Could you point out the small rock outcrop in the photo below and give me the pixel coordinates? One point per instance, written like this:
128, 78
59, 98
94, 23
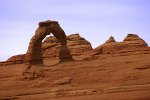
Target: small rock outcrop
131, 43
65, 80
76, 44
17, 59
111, 40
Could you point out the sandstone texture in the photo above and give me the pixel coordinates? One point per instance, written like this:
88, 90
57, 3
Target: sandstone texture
17, 59
111, 40
131, 44
76, 45
63, 81
119, 77
34, 52
116, 70
64, 67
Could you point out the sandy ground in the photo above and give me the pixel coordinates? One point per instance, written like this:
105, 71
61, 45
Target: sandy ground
109, 77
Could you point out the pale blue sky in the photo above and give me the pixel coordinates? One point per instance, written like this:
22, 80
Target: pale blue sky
95, 20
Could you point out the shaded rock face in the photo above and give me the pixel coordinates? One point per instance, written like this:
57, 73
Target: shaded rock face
131, 43
34, 52
76, 44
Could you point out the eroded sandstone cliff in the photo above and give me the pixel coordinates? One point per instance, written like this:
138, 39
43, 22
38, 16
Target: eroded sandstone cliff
50, 48
76, 44
132, 43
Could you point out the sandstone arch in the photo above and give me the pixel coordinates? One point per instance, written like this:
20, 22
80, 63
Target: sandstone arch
34, 52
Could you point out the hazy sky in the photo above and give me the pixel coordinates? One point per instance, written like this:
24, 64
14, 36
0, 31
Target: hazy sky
95, 20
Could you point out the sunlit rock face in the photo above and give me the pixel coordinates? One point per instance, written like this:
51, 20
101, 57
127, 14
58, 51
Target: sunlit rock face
131, 43
52, 48
76, 45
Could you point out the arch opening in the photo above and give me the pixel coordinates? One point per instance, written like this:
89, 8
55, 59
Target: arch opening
34, 52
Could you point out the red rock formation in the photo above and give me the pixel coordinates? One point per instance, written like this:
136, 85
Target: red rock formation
50, 48
110, 40
17, 59
131, 43
34, 53
76, 44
